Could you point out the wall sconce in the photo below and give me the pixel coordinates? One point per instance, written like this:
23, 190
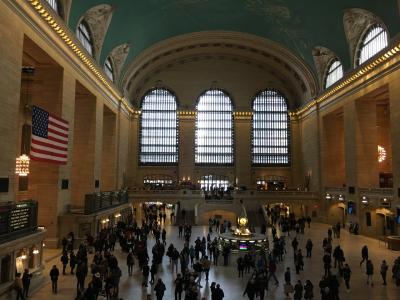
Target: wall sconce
22, 165
341, 198
328, 196
117, 215
35, 251
364, 200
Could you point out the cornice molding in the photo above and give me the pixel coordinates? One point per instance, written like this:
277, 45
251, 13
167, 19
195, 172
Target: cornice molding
375, 68
54, 31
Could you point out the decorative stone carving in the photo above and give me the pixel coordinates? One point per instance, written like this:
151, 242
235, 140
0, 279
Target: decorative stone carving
98, 18
66, 8
118, 56
355, 23
322, 57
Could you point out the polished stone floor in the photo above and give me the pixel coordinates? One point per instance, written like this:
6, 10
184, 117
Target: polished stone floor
130, 287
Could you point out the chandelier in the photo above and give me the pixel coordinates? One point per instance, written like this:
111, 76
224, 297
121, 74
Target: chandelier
381, 154
22, 165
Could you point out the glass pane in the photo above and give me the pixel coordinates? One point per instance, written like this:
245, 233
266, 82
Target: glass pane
158, 136
374, 41
214, 129
270, 138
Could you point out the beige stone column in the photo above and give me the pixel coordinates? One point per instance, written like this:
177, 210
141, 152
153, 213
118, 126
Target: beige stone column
242, 143
10, 86
366, 144
68, 111
297, 177
109, 153
124, 134
84, 145
394, 96
332, 148
98, 144
187, 125
133, 156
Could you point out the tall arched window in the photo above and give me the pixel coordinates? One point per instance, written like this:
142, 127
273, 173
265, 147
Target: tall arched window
55, 5
158, 128
334, 73
270, 132
108, 69
373, 41
83, 35
214, 128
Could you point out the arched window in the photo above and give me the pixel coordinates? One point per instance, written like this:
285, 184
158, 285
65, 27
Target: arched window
334, 73
158, 128
373, 41
83, 34
214, 128
55, 5
108, 69
270, 132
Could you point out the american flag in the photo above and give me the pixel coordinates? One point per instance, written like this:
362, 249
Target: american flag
49, 142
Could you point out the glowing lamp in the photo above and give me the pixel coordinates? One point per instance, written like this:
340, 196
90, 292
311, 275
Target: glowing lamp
22, 165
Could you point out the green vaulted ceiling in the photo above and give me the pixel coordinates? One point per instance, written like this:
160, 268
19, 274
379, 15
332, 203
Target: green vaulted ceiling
298, 25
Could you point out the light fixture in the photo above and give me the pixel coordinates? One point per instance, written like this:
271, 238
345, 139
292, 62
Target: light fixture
24, 256
35, 251
341, 198
381, 154
328, 196
364, 200
117, 215
22, 165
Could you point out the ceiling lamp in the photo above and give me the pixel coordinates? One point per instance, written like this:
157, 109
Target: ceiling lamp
22, 165
381, 154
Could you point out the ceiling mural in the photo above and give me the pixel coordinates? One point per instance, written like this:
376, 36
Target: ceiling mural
299, 26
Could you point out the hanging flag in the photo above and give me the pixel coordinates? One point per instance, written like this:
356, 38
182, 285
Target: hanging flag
49, 140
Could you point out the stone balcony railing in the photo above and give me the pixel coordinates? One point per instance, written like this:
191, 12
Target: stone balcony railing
237, 194
379, 192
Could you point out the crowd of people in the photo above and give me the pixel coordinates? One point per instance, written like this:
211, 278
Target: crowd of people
190, 264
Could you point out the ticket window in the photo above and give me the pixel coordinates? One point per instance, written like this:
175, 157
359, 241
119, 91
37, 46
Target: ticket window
5, 269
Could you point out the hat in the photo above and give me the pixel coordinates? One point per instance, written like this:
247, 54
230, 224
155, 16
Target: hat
97, 275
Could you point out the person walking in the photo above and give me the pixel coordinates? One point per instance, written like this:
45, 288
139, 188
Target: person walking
54, 273
364, 254
153, 272
64, 261
251, 289
145, 273
18, 286
309, 246
219, 293
72, 262
384, 269
178, 287
130, 262
370, 272
240, 266
298, 291
206, 264
308, 290
159, 288
26, 282
346, 271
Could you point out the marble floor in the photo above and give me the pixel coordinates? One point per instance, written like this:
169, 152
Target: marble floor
130, 287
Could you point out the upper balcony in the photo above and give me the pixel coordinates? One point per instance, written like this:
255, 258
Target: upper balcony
139, 195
